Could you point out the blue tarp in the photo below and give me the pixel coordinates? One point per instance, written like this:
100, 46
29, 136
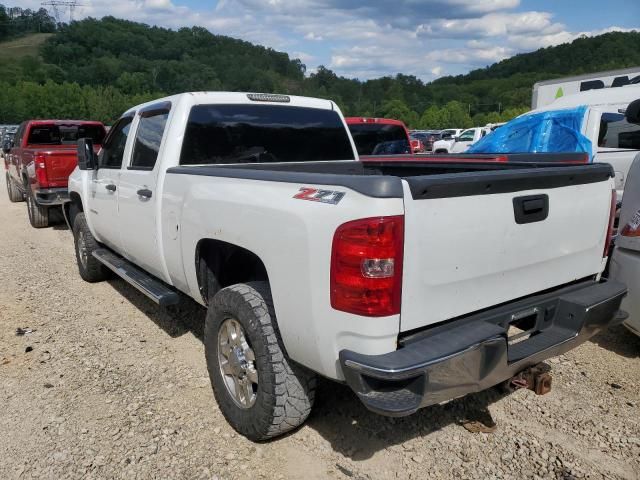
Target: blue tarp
552, 131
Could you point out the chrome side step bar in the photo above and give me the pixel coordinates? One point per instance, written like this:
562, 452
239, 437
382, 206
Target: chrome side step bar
153, 288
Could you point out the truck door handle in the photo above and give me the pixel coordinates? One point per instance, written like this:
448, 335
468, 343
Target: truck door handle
145, 192
531, 208
111, 187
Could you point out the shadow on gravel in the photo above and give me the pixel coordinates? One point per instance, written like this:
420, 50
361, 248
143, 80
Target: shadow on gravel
187, 316
358, 434
619, 340
338, 415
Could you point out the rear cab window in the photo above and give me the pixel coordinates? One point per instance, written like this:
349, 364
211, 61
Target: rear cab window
379, 138
224, 134
64, 134
616, 133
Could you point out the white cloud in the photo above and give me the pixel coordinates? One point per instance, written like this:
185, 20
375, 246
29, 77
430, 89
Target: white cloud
492, 25
159, 4
313, 36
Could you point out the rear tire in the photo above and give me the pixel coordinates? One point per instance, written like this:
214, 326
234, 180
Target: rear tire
38, 215
15, 195
278, 394
91, 270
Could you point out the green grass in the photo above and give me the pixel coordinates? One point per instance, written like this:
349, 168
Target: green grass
23, 46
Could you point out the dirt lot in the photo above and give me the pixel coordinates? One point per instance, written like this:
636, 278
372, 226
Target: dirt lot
109, 386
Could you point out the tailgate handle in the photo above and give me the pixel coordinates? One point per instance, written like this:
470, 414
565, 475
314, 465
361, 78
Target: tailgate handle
531, 208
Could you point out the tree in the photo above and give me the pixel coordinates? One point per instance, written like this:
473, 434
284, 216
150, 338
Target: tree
458, 115
398, 110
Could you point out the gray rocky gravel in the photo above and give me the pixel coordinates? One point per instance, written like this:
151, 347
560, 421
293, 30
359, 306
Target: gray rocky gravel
107, 385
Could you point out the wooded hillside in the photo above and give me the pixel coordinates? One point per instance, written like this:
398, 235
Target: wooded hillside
100, 67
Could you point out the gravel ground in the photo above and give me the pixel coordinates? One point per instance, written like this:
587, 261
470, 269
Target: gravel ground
107, 385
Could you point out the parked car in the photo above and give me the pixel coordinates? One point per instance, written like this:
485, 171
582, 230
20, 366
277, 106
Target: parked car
39, 161
625, 261
422, 140
379, 136
5, 140
312, 262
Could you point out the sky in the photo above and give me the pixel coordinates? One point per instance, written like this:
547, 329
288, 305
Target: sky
373, 38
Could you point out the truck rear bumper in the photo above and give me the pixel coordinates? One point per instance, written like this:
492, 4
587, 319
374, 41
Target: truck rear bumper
51, 196
474, 353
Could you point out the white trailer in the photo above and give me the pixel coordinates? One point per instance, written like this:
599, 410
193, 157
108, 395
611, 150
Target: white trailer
546, 92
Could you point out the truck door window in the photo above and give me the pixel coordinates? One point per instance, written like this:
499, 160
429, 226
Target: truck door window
616, 132
148, 140
113, 148
466, 136
262, 134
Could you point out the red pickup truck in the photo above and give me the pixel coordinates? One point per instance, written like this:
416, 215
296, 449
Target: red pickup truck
379, 136
40, 159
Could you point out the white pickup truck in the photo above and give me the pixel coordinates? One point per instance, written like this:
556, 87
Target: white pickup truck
405, 280
461, 142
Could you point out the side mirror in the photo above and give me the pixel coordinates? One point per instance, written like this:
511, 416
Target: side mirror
6, 146
632, 113
87, 159
456, 138
86, 156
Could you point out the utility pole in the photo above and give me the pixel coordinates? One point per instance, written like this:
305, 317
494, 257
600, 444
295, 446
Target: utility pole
55, 4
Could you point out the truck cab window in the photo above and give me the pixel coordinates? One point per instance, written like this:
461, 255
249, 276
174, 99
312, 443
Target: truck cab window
148, 139
113, 149
616, 132
218, 134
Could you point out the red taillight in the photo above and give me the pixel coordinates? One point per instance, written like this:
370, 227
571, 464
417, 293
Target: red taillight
612, 219
632, 229
366, 266
41, 170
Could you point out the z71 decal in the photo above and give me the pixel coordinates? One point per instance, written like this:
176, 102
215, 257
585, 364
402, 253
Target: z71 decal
318, 195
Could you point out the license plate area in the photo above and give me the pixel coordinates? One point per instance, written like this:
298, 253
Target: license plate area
523, 325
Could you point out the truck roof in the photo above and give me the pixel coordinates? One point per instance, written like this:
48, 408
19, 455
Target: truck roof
64, 122
366, 120
242, 98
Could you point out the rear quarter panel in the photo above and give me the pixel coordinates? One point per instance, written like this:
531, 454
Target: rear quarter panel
293, 238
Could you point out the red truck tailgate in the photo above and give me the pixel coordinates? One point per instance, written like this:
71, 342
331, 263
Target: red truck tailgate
59, 164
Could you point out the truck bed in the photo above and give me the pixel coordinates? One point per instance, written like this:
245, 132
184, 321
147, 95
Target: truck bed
382, 179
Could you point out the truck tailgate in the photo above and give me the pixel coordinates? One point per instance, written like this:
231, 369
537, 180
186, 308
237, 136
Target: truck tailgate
59, 164
478, 239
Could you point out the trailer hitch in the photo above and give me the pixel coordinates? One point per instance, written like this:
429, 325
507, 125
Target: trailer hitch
537, 378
